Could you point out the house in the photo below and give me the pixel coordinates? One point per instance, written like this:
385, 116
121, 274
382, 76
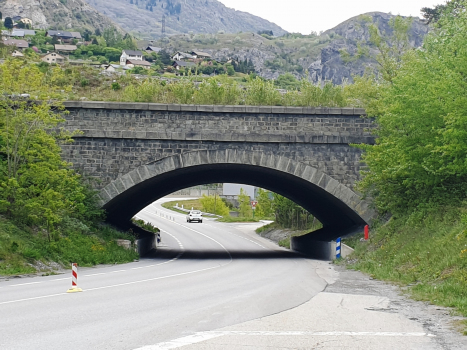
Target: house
16, 18
20, 44
76, 35
53, 57
200, 54
61, 35
182, 56
182, 64
130, 55
17, 53
114, 67
150, 49
65, 48
18, 33
26, 21
137, 63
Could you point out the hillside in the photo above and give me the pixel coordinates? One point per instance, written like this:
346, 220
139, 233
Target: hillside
144, 17
319, 55
60, 15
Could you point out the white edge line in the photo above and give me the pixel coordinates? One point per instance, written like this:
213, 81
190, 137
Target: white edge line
203, 336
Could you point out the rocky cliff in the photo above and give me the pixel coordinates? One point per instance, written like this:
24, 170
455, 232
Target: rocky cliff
51, 14
317, 58
346, 37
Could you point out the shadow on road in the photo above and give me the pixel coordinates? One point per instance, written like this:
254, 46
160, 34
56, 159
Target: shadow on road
164, 254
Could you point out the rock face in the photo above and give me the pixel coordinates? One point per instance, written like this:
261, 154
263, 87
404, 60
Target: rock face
319, 58
346, 37
144, 17
61, 15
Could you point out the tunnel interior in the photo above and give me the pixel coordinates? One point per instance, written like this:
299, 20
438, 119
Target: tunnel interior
337, 218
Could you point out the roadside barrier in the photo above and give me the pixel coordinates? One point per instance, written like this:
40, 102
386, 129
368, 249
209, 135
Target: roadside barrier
338, 248
74, 279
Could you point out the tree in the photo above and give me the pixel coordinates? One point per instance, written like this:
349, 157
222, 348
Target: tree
391, 48
37, 187
214, 205
244, 204
265, 206
419, 158
433, 15
230, 69
8, 23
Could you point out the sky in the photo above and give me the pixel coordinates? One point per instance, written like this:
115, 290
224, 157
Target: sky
305, 16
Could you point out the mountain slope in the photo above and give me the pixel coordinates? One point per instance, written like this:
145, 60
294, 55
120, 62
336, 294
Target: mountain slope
63, 14
316, 57
144, 17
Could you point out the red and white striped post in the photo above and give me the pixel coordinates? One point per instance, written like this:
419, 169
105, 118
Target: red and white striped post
74, 279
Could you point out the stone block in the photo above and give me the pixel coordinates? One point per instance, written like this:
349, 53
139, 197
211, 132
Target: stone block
205, 108
72, 104
264, 109
94, 104
119, 185
359, 111
157, 107
143, 173
348, 111
127, 181
173, 107
293, 110
309, 110
277, 109
188, 108
223, 109
335, 110
251, 109
134, 175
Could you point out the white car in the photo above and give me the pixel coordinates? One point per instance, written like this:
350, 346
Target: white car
194, 215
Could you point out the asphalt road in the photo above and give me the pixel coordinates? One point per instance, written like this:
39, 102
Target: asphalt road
205, 276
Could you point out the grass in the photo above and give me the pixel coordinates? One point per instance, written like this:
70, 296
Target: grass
187, 204
21, 248
426, 253
238, 219
283, 242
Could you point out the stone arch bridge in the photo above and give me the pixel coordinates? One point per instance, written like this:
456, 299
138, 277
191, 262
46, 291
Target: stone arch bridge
143, 151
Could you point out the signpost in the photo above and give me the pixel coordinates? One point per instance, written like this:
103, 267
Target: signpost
253, 207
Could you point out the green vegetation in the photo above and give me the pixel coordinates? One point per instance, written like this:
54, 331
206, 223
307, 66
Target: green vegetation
146, 225
49, 211
21, 248
214, 205
416, 172
427, 252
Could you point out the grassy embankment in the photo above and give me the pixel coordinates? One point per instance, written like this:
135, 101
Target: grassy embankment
21, 249
425, 255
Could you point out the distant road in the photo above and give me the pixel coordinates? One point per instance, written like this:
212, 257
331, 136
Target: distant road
205, 276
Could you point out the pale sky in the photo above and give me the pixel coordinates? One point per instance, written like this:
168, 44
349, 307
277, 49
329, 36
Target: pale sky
304, 16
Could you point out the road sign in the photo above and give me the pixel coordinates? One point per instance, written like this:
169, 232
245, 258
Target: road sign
253, 205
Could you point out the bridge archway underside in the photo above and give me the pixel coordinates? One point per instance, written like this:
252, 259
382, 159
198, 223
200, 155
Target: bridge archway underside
334, 204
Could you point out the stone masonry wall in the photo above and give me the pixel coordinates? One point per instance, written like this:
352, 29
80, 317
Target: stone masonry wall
119, 137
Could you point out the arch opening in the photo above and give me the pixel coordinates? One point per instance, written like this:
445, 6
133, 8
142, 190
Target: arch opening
340, 210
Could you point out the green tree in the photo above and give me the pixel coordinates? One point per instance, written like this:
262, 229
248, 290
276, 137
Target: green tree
391, 48
420, 154
37, 187
214, 205
265, 206
8, 23
244, 204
